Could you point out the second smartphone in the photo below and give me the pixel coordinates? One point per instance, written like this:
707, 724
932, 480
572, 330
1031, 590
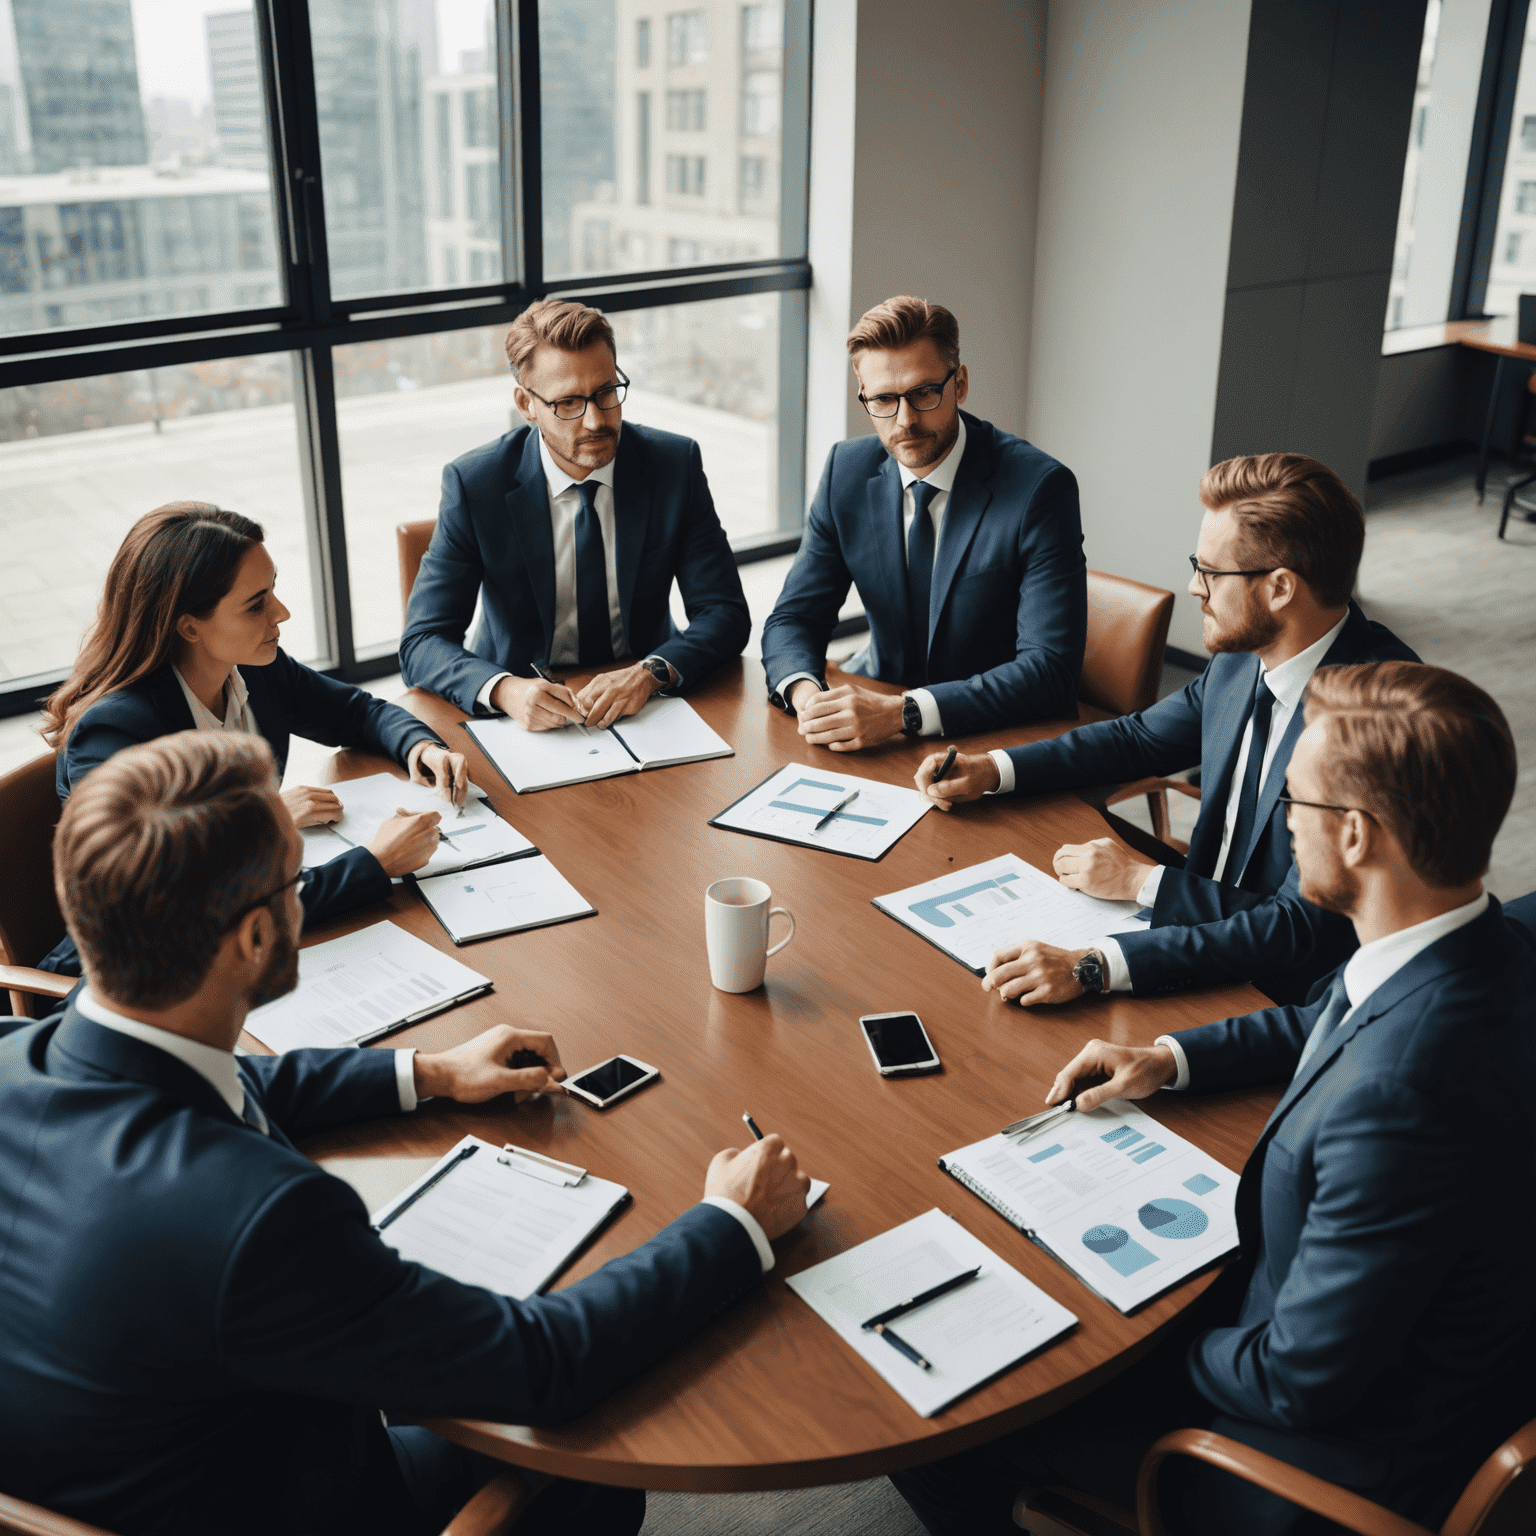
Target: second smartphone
899, 1044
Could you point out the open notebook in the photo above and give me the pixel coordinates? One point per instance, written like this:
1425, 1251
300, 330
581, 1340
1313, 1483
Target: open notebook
664, 733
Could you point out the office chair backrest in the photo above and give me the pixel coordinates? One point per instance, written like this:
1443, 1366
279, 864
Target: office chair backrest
411, 540
18, 1518
1501, 1498
30, 920
1127, 630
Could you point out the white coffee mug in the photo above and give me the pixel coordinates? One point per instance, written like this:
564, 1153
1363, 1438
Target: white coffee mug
736, 917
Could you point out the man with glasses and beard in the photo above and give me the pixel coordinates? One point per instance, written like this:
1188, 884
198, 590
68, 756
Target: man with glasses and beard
1279, 546
964, 542
569, 533
199, 1326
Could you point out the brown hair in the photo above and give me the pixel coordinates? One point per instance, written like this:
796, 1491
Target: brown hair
181, 558
900, 321
1427, 753
560, 323
160, 852
1293, 512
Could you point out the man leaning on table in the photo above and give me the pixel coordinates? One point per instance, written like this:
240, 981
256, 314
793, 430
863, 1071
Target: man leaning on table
964, 542
1368, 1334
200, 1326
570, 532
1279, 546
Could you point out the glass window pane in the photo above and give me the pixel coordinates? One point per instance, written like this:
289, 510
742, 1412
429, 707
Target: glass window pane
1512, 270
133, 162
409, 132
665, 155
83, 459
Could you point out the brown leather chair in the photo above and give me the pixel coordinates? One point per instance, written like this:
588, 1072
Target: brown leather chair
30, 921
492, 1512
1499, 1501
411, 540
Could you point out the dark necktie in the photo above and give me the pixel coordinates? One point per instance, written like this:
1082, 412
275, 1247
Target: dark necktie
1248, 792
251, 1113
594, 630
1327, 1021
919, 579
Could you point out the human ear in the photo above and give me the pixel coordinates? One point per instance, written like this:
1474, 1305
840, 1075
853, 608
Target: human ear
962, 384
1282, 589
186, 627
524, 403
253, 936
1356, 831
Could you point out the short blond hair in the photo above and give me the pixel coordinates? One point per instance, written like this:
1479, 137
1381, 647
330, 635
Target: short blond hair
559, 323
900, 321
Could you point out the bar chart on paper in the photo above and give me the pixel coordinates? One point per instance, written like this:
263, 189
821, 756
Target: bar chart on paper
788, 804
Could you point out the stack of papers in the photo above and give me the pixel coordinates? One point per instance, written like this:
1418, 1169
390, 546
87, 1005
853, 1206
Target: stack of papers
503, 898
968, 1336
787, 806
354, 989
971, 913
664, 733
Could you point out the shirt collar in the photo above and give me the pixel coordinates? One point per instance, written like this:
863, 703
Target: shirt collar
1374, 964
234, 702
208, 1061
942, 476
559, 482
1289, 680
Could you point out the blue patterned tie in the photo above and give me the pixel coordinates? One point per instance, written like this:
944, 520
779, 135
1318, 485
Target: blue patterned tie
919, 579
1248, 794
1327, 1021
594, 630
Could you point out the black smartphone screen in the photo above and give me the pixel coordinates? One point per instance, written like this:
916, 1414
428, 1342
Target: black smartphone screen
610, 1078
898, 1041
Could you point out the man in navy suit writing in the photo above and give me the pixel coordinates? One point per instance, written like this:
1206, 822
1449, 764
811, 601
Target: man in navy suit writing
1279, 546
1383, 1212
200, 1326
964, 542
570, 532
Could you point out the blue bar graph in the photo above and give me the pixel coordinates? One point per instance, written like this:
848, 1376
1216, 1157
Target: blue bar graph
1126, 1142
1118, 1135
1040, 1157
1146, 1154
963, 911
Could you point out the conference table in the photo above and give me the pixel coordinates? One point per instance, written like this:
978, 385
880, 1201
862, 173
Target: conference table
766, 1396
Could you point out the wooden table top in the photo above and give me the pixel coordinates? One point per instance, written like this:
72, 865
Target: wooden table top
767, 1396
1497, 335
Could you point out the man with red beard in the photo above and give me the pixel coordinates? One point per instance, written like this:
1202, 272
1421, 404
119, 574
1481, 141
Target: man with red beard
1279, 546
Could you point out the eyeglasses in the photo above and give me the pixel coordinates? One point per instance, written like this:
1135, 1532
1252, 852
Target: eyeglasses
301, 880
1205, 574
1318, 805
923, 397
573, 407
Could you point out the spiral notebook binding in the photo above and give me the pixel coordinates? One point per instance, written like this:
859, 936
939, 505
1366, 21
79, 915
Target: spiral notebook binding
1006, 1212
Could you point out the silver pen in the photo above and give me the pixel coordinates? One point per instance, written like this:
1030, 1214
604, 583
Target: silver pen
1031, 1125
837, 809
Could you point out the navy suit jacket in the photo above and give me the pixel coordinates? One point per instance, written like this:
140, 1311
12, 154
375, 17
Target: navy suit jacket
1008, 608
200, 1327
1255, 928
1384, 1212
288, 699
494, 541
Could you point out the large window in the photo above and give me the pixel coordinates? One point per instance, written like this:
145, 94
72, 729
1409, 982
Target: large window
264, 255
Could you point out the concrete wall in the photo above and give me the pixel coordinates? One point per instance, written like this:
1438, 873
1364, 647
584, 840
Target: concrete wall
1143, 106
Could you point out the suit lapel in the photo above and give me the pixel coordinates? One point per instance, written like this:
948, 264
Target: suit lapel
631, 516
1232, 716
528, 512
962, 517
169, 701
882, 516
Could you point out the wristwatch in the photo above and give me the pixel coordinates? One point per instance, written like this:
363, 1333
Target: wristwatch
911, 716
659, 670
1088, 973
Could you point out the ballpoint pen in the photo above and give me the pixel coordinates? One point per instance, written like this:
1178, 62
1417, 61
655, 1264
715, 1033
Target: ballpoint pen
1031, 1125
543, 672
442, 1173
752, 1126
880, 1319
846, 801
896, 1342
946, 765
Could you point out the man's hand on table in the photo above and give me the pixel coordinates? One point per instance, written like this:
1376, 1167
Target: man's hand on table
483, 1068
1134, 1072
406, 841
611, 696
765, 1180
311, 807
536, 704
845, 718
1101, 868
445, 771
970, 776
1033, 972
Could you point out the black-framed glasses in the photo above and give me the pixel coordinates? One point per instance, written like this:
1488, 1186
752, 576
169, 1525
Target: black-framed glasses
1205, 573
573, 407
922, 397
1318, 805
301, 880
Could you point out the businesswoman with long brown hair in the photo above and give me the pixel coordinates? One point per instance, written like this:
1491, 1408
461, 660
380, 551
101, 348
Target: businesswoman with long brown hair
186, 638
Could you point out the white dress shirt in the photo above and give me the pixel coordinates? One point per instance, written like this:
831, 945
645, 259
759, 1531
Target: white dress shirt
942, 478
1371, 966
209, 1062
238, 714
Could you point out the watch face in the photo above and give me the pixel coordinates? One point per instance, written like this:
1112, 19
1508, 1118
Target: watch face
911, 716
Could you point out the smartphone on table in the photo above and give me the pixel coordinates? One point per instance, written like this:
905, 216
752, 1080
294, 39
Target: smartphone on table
899, 1044
611, 1080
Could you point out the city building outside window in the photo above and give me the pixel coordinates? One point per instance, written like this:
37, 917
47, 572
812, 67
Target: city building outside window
643, 43
760, 103
685, 175
685, 111
687, 38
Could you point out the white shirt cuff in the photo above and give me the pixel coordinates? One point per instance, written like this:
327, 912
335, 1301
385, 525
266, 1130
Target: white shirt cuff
1119, 978
1147, 895
1181, 1082
405, 1079
789, 682
929, 706
483, 698
749, 1224
1004, 772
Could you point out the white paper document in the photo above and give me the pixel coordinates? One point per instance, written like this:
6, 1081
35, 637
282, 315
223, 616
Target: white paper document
662, 734
971, 913
479, 836
787, 805
968, 1336
495, 1218
354, 989
503, 898
1130, 1208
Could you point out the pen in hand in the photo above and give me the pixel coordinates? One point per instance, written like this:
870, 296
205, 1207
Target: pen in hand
946, 765
752, 1126
544, 674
